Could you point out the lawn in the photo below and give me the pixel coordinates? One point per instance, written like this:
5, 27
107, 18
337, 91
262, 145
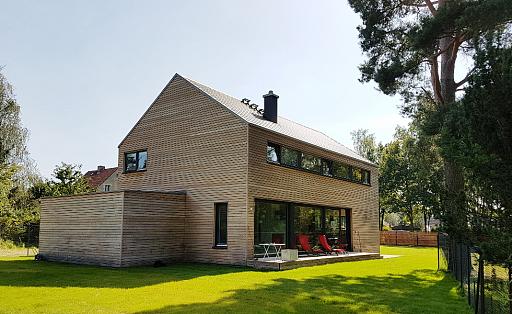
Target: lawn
405, 284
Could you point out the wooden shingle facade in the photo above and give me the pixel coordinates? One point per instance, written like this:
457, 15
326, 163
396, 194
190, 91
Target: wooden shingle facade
201, 151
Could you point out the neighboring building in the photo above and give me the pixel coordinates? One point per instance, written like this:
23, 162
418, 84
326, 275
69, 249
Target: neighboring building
205, 177
102, 179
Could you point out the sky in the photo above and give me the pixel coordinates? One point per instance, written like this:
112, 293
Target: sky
84, 72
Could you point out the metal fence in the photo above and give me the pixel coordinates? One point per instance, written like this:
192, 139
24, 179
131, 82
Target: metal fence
488, 287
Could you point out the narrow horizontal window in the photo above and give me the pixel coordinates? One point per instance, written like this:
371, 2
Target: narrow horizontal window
135, 161
289, 157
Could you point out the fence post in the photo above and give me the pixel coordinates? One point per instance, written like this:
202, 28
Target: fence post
468, 266
510, 288
417, 239
438, 247
396, 238
482, 284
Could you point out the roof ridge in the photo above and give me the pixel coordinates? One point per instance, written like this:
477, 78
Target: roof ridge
198, 83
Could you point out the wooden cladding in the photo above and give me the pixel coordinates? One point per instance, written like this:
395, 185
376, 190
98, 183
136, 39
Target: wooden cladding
196, 145
114, 229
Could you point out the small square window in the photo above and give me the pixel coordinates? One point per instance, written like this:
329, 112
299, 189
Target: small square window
136, 161
106, 188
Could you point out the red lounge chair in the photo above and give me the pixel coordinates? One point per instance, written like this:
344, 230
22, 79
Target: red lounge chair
325, 245
304, 243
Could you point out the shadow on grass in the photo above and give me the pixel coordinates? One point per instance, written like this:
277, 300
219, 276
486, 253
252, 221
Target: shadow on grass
29, 273
411, 293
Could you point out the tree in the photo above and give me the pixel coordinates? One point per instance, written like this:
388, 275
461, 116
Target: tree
366, 145
410, 177
408, 41
69, 181
17, 207
478, 135
13, 136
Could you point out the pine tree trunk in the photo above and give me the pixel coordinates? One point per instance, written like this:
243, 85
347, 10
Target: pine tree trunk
454, 178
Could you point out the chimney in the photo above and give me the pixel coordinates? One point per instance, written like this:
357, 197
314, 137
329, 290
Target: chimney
270, 106
100, 168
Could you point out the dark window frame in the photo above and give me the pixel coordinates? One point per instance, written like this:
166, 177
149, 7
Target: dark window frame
349, 178
290, 214
136, 152
218, 244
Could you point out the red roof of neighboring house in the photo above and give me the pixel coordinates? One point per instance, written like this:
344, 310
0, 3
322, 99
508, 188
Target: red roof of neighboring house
96, 177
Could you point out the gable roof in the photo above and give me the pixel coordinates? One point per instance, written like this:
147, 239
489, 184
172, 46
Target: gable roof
96, 177
283, 126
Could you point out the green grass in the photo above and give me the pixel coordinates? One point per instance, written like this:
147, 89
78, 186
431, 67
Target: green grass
407, 284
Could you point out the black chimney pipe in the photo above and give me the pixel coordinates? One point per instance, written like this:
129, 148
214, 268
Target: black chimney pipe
270, 106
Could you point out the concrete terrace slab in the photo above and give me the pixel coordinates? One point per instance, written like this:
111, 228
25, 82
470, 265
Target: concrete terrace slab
273, 264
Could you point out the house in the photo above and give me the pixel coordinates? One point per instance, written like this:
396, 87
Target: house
206, 177
102, 179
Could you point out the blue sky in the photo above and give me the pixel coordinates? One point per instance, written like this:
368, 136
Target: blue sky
84, 72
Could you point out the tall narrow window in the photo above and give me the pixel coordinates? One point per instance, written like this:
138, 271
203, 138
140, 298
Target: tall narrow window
221, 224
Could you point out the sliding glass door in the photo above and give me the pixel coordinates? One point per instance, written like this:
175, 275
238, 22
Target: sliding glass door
281, 222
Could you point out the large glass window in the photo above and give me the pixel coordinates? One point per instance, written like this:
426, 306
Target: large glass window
135, 161
289, 157
269, 224
273, 152
311, 163
221, 224
280, 222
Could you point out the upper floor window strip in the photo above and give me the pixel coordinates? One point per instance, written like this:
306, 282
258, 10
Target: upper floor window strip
289, 157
